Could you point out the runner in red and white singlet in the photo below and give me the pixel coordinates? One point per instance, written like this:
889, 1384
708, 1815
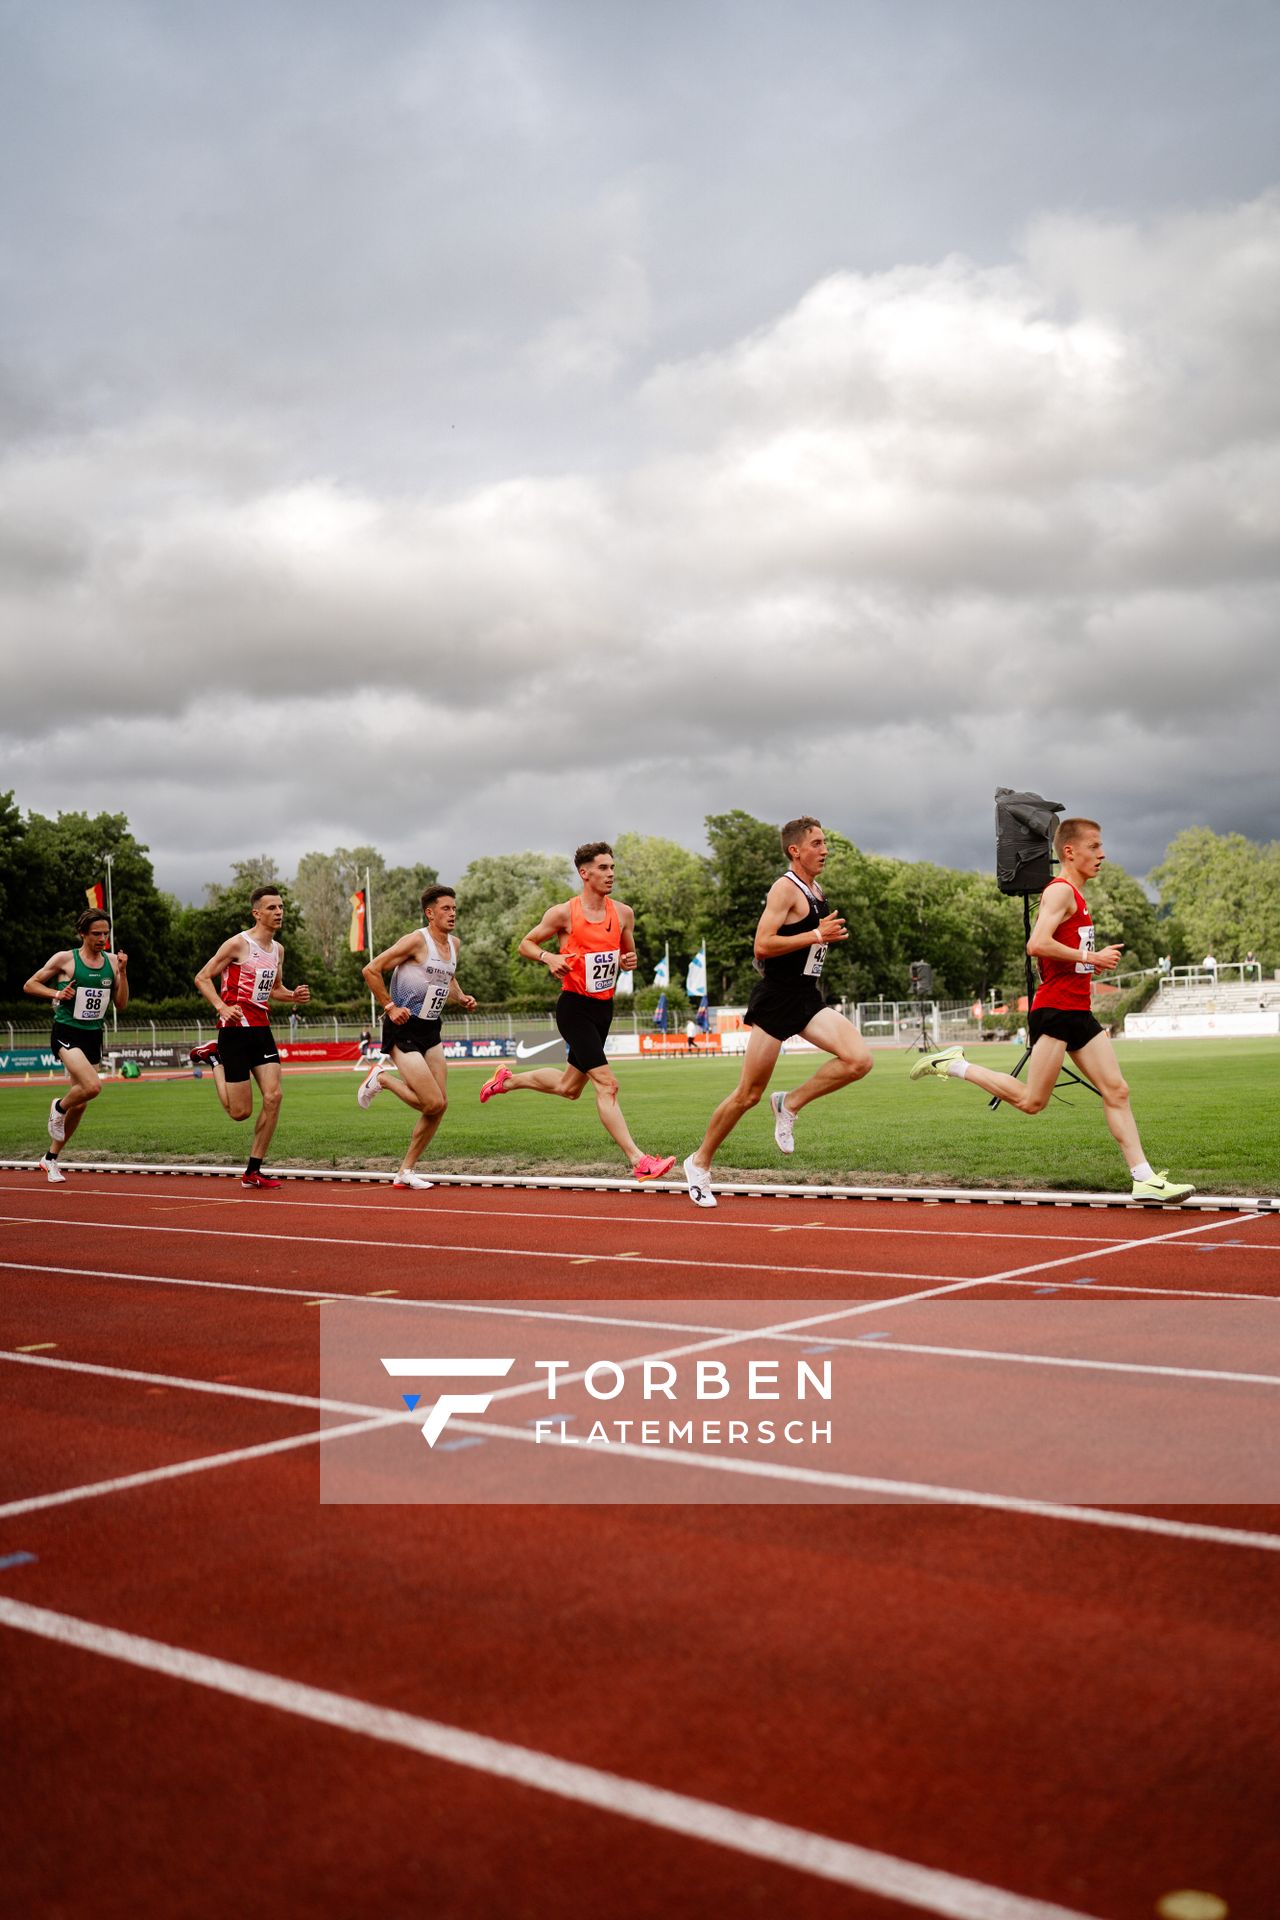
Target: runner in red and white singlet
247, 981
249, 970
596, 942
1060, 1020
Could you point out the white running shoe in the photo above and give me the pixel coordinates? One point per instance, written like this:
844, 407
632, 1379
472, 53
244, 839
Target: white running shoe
784, 1123
413, 1180
370, 1085
57, 1122
699, 1184
53, 1171
936, 1064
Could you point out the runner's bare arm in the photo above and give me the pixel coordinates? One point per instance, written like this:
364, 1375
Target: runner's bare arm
45, 985
1056, 904
780, 907
221, 960
120, 985
554, 921
295, 996
628, 957
387, 962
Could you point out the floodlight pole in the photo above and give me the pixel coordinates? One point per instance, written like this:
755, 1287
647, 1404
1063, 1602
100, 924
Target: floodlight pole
108, 860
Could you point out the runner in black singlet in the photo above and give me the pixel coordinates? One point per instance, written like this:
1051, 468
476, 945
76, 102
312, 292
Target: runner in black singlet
796, 928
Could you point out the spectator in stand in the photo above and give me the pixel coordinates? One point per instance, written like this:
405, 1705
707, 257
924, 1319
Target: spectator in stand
1210, 966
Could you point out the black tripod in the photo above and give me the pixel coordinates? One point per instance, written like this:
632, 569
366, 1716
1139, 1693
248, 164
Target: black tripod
923, 1044
1067, 1072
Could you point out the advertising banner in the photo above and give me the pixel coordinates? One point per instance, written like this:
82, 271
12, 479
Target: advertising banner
27, 1060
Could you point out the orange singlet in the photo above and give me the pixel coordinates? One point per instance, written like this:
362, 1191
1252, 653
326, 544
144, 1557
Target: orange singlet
594, 948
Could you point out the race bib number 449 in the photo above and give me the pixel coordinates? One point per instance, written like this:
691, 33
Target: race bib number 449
602, 971
263, 981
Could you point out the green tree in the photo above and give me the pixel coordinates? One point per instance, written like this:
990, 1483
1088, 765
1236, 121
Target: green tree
667, 887
1224, 891
500, 896
56, 860
1121, 911
324, 885
746, 859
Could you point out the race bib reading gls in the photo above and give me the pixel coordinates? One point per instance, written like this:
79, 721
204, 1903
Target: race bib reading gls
433, 1000
602, 970
90, 1003
1086, 946
263, 981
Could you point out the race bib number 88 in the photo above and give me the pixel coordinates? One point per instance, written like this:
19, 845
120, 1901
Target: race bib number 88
90, 1003
602, 971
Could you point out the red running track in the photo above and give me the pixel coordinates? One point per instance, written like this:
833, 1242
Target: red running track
1037, 1714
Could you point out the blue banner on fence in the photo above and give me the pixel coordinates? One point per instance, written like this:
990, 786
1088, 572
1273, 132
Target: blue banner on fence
28, 1060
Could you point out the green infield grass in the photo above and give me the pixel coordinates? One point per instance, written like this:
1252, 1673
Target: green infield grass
1208, 1110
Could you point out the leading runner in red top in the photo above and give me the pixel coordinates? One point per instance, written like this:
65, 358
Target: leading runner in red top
596, 937
251, 970
1060, 1021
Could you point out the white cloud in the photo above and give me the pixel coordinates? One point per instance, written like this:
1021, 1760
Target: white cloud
932, 529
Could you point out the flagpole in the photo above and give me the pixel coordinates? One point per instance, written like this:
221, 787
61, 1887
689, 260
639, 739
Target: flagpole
109, 862
368, 934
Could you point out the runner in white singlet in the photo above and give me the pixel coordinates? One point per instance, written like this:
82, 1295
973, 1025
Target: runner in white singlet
423, 968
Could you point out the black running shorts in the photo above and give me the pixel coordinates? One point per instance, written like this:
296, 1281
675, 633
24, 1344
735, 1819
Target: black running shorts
241, 1049
90, 1044
783, 1007
584, 1020
1071, 1024
411, 1035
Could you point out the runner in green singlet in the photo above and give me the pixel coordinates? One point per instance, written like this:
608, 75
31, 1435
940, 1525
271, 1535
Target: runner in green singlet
82, 983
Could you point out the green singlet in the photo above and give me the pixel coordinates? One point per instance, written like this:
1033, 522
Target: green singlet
87, 1013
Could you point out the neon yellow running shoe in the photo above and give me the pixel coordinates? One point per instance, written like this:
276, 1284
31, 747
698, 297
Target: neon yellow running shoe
936, 1063
1161, 1189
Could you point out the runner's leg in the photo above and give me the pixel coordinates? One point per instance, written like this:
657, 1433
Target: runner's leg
1043, 1069
758, 1064
85, 1086
267, 1075
1097, 1061
605, 1086
426, 1074
851, 1058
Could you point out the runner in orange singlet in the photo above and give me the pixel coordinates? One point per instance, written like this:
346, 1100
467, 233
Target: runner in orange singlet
1060, 1017
597, 941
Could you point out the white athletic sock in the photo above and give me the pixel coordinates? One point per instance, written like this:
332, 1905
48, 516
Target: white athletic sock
1143, 1171
957, 1069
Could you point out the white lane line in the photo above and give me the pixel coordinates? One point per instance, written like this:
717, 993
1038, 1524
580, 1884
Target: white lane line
222, 1389
899, 1491
1117, 1519
1105, 1253
122, 1483
653, 1218
432, 1247
927, 1889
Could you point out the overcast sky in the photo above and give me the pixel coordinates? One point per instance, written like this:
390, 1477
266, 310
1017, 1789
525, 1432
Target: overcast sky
468, 428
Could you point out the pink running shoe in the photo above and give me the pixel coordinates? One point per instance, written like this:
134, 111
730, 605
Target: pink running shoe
653, 1168
500, 1082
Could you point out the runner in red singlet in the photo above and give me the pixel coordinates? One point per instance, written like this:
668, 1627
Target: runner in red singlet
1060, 1020
251, 966
597, 941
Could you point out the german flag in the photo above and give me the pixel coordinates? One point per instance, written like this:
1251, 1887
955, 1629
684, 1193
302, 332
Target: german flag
355, 938
95, 896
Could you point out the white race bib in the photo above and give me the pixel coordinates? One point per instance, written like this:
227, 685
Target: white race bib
263, 981
1086, 946
433, 1000
815, 961
601, 970
90, 1003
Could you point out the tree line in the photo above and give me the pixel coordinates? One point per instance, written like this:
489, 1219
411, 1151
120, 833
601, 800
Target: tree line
1218, 892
